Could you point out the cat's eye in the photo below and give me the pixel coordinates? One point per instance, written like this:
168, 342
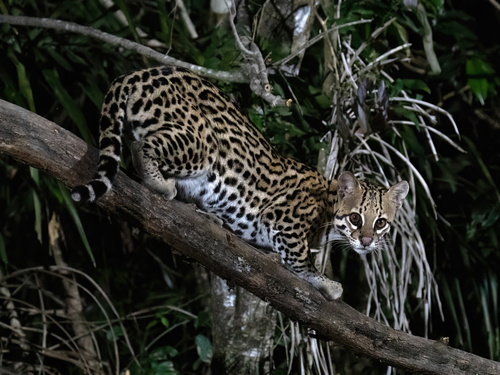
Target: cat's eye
380, 223
355, 218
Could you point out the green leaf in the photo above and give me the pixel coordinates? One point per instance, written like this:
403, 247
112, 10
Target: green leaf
438, 4
70, 206
255, 117
463, 36
282, 111
204, 348
130, 21
3, 251
163, 353
415, 84
165, 322
37, 205
114, 333
71, 107
164, 368
23, 80
479, 87
396, 87
170, 351
58, 58
92, 90
410, 115
401, 32
479, 72
151, 324
323, 101
203, 320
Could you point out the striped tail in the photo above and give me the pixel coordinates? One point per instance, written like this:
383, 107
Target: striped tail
110, 147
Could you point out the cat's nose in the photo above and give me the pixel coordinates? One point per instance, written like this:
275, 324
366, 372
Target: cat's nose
366, 241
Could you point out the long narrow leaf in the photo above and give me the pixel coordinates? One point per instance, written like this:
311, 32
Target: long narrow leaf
35, 176
70, 206
3, 251
24, 83
71, 107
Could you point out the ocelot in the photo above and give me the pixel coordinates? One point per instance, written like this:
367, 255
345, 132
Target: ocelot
189, 141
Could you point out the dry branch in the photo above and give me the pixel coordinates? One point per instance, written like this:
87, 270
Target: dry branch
254, 72
32, 140
160, 58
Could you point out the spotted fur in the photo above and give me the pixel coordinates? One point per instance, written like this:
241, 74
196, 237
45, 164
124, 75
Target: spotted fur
189, 141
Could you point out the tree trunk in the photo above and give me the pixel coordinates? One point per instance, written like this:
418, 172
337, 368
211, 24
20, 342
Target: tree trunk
243, 329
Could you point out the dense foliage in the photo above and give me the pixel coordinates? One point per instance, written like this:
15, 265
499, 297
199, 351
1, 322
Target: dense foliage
141, 298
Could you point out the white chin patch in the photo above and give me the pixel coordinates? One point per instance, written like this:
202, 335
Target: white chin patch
363, 250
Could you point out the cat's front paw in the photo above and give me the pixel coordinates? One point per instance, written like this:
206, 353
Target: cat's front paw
330, 289
169, 194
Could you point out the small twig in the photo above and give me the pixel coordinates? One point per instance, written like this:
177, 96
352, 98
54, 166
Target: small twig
384, 56
314, 40
239, 43
254, 66
187, 21
120, 16
495, 4
431, 129
417, 174
427, 40
373, 36
73, 300
433, 107
15, 323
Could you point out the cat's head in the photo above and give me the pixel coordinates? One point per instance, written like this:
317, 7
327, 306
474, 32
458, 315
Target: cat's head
365, 212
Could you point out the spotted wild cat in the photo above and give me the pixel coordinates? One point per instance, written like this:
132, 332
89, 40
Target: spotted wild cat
189, 141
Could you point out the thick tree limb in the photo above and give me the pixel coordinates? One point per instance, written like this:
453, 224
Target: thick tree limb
32, 140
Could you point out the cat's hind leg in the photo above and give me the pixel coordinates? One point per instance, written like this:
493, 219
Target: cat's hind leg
148, 169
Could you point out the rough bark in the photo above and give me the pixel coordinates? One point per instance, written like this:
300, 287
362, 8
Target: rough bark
243, 329
32, 140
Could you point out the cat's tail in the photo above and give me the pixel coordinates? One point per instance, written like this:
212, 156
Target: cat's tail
110, 145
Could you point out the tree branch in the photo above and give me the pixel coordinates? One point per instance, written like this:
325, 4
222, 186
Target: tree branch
253, 72
34, 141
114, 40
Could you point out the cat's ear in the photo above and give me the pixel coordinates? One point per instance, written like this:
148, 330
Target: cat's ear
397, 193
347, 185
